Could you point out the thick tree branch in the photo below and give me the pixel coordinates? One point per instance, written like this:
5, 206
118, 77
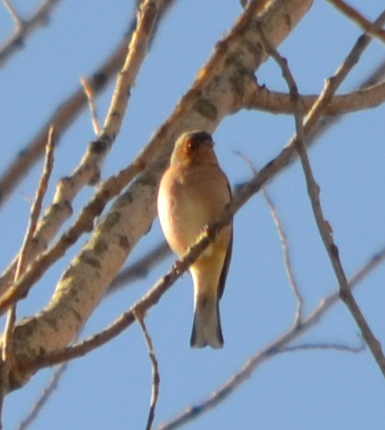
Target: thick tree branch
261, 98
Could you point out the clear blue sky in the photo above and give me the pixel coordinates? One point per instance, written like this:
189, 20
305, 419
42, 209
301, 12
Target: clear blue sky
110, 387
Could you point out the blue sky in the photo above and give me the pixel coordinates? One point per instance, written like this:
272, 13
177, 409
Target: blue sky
110, 387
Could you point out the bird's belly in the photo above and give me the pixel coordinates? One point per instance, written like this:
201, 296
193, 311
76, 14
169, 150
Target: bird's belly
187, 206
183, 220
189, 217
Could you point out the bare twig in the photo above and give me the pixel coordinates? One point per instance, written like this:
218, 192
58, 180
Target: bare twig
38, 201
359, 19
155, 370
22, 260
43, 398
45, 395
286, 257
333, 253
324, 227
326, 347
91, 104
369, 89
25, 28
284, 244
137, 50
15, 16
327, 94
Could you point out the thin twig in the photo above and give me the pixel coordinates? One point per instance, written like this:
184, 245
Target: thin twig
43, 398
359, 19
284, 244
6, 353
147, 16
38, 200
34, 216
15, 16
326, 347
46, 394
371, 84
15, 41
89, 92
154, 368
22, 261
324, 227
286, 257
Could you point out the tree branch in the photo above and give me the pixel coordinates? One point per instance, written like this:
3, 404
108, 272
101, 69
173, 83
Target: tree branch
261, 98
155, 371
324, 227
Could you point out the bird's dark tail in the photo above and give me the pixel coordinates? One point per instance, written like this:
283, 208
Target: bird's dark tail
207, 325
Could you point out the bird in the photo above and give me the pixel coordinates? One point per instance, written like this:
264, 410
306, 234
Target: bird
193, 192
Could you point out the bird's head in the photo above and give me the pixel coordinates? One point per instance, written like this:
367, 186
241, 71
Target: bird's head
194, 147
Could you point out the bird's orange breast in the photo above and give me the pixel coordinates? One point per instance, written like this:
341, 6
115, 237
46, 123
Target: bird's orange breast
190, 199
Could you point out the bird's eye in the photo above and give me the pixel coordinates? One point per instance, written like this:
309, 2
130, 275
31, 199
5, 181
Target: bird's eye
192, 145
